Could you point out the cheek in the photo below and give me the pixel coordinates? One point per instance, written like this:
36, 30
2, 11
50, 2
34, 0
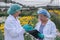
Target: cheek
42, 18
17, 14
20, 13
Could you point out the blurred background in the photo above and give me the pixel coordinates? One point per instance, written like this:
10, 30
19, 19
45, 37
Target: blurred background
29, 13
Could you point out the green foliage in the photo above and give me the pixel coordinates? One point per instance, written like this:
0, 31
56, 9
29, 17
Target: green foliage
56, 20
27, 37
57, 38
3, 13
1, 36
34, 21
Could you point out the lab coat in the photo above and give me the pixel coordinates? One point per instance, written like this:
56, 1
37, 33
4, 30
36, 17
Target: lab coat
49, 30
13, 29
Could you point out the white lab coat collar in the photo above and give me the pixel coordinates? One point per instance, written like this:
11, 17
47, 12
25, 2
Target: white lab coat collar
39, 23
11, 16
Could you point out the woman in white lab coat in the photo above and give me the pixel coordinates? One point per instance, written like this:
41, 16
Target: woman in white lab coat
13, 29
45, 25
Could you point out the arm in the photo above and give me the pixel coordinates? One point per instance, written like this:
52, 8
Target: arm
53, 32
33, 31
12, 29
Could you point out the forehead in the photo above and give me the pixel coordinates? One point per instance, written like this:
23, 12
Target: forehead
18, 11
40, 15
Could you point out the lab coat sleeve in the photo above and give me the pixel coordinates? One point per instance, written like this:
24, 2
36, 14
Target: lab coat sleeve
53, 32
10, 28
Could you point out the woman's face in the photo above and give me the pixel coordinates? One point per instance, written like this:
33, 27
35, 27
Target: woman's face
17, 13
42, 17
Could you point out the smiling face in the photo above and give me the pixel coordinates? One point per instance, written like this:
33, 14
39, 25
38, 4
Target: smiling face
42, 17
17, 13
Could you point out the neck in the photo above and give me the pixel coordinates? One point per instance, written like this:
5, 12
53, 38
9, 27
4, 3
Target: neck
14, 16
44, 22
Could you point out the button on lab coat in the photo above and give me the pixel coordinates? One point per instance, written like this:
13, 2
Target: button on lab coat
13, 29
49, 30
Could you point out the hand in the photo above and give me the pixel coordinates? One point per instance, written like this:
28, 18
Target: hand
28, 27
41, 36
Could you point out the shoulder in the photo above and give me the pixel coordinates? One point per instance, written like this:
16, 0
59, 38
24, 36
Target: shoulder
52, 24
9, 21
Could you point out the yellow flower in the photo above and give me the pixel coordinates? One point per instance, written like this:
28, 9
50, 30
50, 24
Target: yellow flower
2, 31
56, 11
25, 20
1, 27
